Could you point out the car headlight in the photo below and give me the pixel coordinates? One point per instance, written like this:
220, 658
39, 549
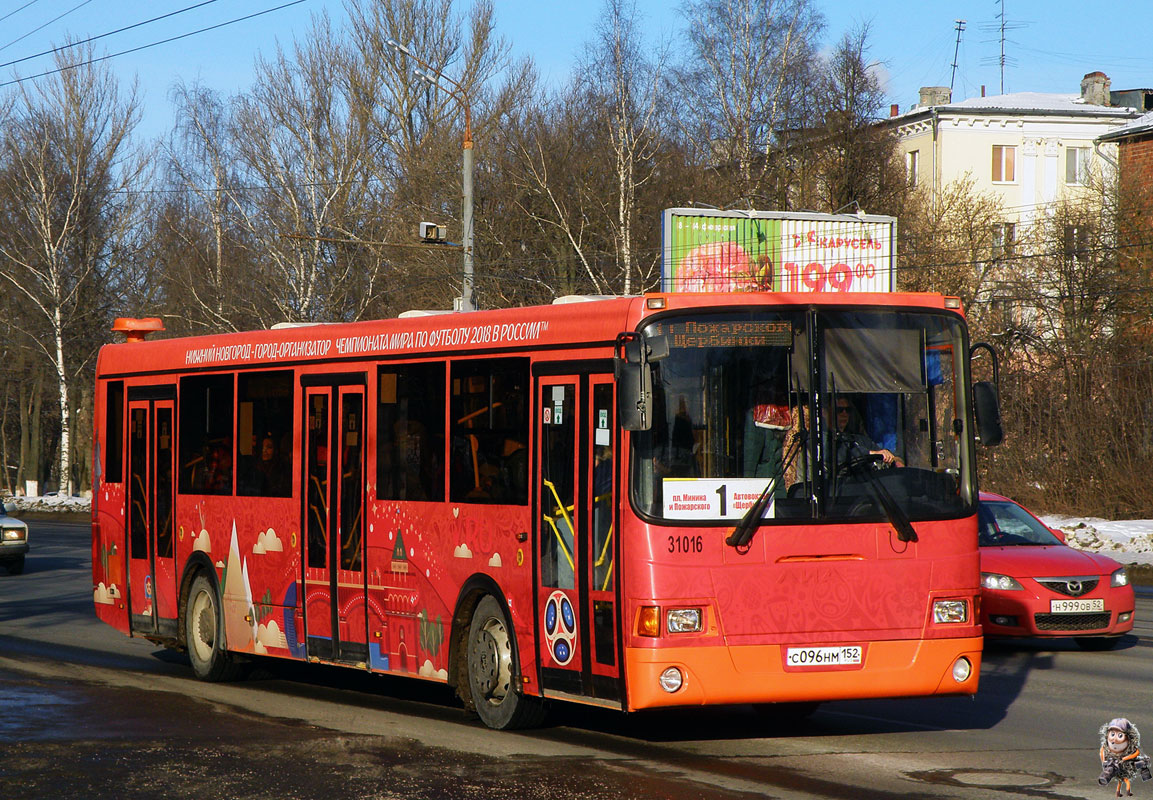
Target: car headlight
1119, 578
1003, 583
18, 534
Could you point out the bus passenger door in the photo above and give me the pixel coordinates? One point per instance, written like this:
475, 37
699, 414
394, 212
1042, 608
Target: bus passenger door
336, 626
575, 585
149, 524
602, 612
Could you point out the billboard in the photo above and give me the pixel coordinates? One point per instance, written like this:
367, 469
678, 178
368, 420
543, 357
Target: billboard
704, 250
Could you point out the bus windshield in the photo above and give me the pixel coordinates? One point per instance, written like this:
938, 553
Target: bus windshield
849, 415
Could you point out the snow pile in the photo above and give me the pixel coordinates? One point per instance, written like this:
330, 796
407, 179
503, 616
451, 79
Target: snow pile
1128, 541
50, 504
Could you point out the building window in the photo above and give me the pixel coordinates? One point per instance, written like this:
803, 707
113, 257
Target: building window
912, 160
1004, 235
1076, 242
1004, 163
1076, 165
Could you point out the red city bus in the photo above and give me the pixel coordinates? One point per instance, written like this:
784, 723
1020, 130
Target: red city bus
629, 502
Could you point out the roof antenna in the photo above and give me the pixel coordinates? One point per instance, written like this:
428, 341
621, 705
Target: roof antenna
956, 49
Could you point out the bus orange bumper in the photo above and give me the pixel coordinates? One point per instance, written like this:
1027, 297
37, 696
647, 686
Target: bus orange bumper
757, 674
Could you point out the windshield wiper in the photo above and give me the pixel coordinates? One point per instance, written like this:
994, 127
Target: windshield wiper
743, 532
897, 516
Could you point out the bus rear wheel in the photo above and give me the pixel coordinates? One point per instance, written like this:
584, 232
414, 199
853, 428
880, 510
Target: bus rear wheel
492, 672
204, 633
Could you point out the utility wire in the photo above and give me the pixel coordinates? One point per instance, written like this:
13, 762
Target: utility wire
10, 13
45, 25
102, 35
147, 46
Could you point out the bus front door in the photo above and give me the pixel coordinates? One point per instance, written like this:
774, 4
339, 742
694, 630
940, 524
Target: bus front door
335, 623
576, 589
152, 597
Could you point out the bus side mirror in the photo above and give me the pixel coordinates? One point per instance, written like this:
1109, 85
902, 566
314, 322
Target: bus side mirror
634, 377
987, 407
634, 396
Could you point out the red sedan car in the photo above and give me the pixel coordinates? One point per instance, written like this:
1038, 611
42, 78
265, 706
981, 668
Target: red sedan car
1033, 584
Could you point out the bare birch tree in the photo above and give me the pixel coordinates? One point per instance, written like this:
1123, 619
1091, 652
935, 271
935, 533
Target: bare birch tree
66, 178
198, 242
743, 90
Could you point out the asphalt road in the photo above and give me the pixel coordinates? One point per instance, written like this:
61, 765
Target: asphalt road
86, 712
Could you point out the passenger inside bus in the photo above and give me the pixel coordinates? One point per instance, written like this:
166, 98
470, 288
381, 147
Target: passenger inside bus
212, 472
766, 424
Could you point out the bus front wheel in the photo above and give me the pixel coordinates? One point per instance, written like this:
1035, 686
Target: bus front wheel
492, 672
204, 632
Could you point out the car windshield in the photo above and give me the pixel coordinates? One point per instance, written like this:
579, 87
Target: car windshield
1003, 524
852, 415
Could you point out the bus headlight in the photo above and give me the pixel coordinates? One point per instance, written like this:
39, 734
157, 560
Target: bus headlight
962, 669
950, 611
683, 620
671, 680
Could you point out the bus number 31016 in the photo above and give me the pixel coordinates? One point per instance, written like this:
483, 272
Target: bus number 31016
686, 544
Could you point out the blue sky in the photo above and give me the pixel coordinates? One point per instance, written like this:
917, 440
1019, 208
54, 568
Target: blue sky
1050, 45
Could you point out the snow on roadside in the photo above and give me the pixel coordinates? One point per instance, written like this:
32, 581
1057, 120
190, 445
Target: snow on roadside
1128, 541
52, 503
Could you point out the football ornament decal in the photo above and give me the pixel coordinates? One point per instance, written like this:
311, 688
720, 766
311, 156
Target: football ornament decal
560, 627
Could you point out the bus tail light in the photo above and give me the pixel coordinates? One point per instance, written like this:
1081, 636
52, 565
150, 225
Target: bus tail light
683, 620
950, 611
649, 621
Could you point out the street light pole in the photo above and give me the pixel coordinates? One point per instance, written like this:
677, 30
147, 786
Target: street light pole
461, 96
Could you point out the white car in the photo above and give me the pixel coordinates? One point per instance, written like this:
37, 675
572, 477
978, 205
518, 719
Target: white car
13, 542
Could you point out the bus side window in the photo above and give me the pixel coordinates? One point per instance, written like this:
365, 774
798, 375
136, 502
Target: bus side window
205, 434
410, 432
264, 434
114, 433
489, 417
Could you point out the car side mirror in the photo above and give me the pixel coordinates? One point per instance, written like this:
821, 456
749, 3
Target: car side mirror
1060, 534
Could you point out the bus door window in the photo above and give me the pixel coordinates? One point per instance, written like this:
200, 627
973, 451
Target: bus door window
603, 553
351, 480
318, 480
558, 487
162, 458
138, 494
